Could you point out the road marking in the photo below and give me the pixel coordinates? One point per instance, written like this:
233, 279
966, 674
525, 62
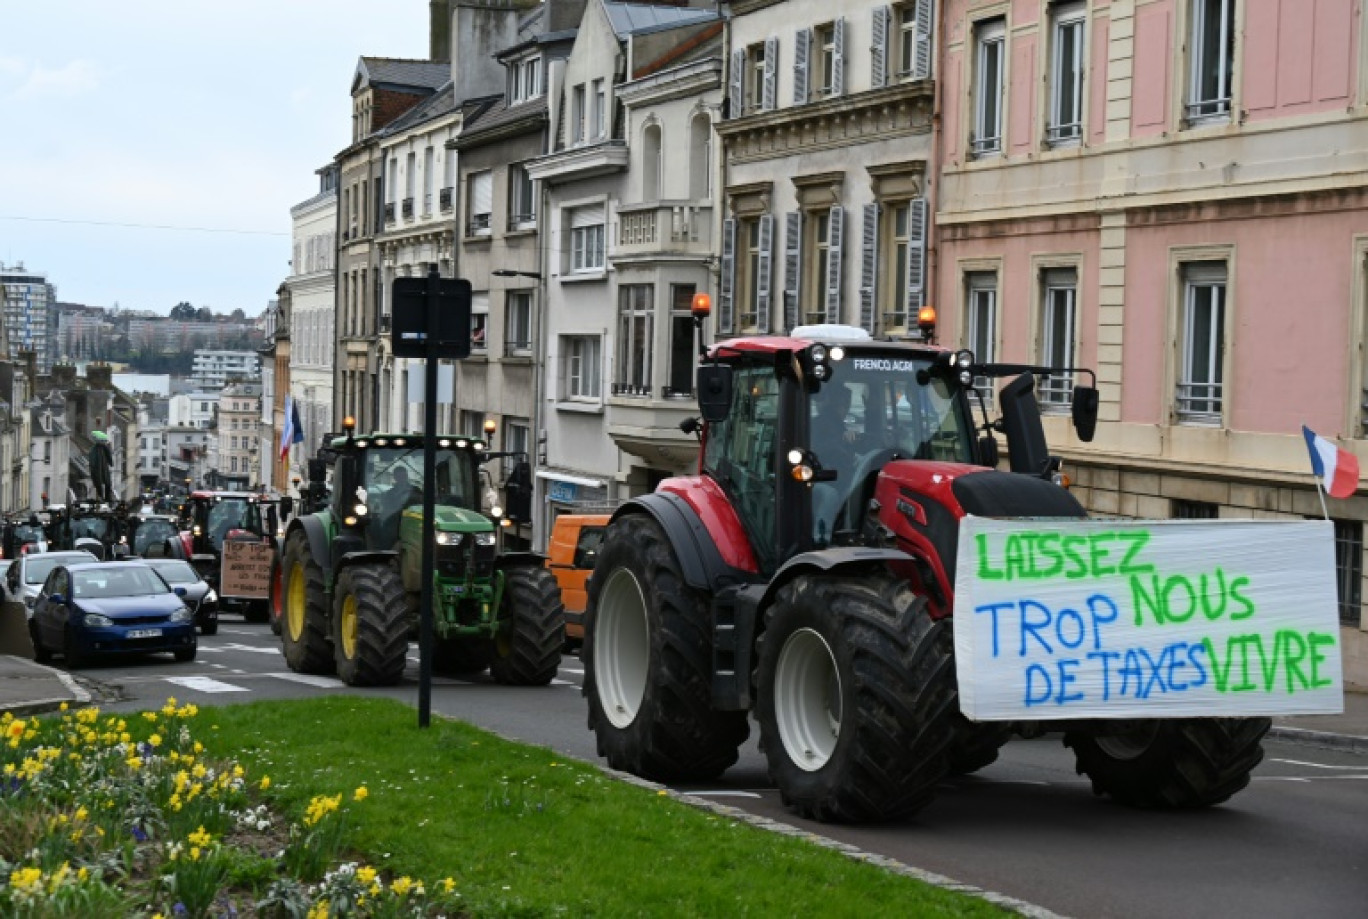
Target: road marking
573, 670
1297, 762
720, 794
1282, 778
234, 646
204, 684
322, 682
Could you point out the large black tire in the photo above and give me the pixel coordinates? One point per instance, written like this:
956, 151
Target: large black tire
75, 658
1182, 763
277, 597
856, 697
527, 648
648, 663
186, 655
306, 634
370, 637
976, 746
209, 628
462, 656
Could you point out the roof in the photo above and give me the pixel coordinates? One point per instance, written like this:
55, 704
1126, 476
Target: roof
443, 102
636, 18
500, 115
401, 72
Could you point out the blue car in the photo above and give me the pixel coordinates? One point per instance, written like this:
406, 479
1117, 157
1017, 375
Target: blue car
85, 610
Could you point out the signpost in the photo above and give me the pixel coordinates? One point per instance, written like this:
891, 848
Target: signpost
431, 321
1062, 619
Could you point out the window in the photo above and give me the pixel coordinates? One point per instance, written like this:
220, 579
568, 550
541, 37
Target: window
682, 344
1349, 569
526, 78
700, 157
817, 257
1195, 510
1066, 74
1211, 60
989, 40
748, 274
755, 78
580, 359
479, 321
234, 445
650, 163
634, 340
913, 20
586, 239
830, 58
471, 423
740, 450
480, 203
905, 230
517, 434
600, 101
428, 180
394, 176
1199, 395
980, 327
518, 323
577, 114
410, 174
1058, 319
522, 205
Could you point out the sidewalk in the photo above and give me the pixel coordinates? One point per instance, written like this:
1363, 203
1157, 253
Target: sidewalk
28, 688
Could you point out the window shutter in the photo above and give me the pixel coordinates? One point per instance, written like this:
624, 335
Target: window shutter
483, 194
802, 43
833, 293
582, 217
916, 257
878, 49
727, 282
869, 265
765, 270
838, 57
738, 85
771, 58
925, 23
793, 266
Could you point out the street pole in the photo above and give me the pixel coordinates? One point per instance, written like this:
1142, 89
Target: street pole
429, 473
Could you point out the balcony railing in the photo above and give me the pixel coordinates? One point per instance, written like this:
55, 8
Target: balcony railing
389, 212
444, 198
478, 225
1200, 403
408, 208
664, 227
646, 392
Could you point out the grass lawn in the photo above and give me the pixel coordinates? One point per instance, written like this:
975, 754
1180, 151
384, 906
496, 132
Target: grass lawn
517, 830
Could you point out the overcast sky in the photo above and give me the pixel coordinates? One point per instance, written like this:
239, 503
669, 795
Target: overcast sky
175, 113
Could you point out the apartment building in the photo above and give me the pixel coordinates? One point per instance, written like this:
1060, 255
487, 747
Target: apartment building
214, 369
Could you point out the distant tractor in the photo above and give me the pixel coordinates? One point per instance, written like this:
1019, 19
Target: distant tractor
806, 577
214, 517
350, 574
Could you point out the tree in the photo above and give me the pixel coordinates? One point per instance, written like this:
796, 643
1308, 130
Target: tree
205, 314
183, 311
238, 315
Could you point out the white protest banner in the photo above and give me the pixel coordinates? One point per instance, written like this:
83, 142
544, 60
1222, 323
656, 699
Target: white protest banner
1088, 618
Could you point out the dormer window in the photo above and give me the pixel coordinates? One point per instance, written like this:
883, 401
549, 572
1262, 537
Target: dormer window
525, 76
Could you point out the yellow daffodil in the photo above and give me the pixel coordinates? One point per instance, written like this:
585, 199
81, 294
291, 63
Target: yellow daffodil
448, 885
401, 886
361, 793
265, 782
155, 740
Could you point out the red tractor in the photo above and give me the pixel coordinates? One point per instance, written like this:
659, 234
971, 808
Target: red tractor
806, 577
213, 517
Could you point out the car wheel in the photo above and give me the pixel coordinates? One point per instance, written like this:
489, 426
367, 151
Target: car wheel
187, 654
41, 654
75, 659
209, 627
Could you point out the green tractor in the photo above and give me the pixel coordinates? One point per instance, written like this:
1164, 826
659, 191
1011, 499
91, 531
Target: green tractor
350, 574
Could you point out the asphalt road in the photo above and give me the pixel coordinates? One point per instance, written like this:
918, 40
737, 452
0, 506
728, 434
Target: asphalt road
1295, 843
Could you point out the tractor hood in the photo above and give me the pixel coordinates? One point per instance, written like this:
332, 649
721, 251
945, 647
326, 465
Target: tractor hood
448, 519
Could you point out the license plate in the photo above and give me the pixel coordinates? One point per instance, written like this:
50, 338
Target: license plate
144, 633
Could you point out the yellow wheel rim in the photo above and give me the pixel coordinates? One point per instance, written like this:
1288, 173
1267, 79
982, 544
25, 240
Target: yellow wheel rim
349, 627
294, 602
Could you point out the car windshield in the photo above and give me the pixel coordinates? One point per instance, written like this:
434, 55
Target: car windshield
37, 568
176, 572
117, 581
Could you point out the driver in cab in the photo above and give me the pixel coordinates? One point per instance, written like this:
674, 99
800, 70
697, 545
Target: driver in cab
835, 441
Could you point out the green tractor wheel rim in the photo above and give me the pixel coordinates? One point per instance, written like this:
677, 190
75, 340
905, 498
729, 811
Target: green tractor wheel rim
295, 602
348, 627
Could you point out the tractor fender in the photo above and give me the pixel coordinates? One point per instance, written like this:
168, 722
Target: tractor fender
319, 545
519, 559
699, 560
831, 561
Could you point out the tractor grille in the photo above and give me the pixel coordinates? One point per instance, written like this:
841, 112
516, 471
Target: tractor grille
453, 561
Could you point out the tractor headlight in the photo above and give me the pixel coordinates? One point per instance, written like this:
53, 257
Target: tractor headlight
180, 615
448, 539
210, 597
197, 531
360, 510
484, 539
496, 511
97, 621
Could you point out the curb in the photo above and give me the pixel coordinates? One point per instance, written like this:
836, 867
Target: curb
1347, 742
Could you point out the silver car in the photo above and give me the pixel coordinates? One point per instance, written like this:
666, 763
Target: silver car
26, 574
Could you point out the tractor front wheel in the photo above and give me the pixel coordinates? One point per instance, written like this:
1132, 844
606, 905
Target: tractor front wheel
304, 635
527, 648
1182, 763
370, 616
856, 698
648, 662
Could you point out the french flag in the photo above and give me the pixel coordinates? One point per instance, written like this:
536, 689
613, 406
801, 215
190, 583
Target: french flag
1337, 468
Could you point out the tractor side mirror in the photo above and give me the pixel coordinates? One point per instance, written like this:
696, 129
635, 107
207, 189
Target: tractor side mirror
518, 493
317, 469
714, 392
1084, 411
286, 506
988, 451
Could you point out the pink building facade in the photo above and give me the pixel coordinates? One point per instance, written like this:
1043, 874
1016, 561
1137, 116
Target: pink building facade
1175, 193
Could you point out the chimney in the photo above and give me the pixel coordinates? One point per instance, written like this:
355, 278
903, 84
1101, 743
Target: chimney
63, 377
100, 376
30, 359
439, 30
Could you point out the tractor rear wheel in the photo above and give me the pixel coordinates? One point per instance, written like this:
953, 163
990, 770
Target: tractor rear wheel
527, 648
1183, 763
857, 701
370, 616
647, 656
305, 633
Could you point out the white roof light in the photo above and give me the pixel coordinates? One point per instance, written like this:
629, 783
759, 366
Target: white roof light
830, 331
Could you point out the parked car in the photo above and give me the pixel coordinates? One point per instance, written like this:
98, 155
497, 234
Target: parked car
575, 540
85, 609
4, 570
199, 596
26, 574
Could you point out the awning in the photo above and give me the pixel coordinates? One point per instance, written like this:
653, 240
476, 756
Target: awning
572, 479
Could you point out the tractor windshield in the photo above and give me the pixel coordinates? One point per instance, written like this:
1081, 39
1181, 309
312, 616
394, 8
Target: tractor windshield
393, 478
872, 410
89, 528
226, 514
